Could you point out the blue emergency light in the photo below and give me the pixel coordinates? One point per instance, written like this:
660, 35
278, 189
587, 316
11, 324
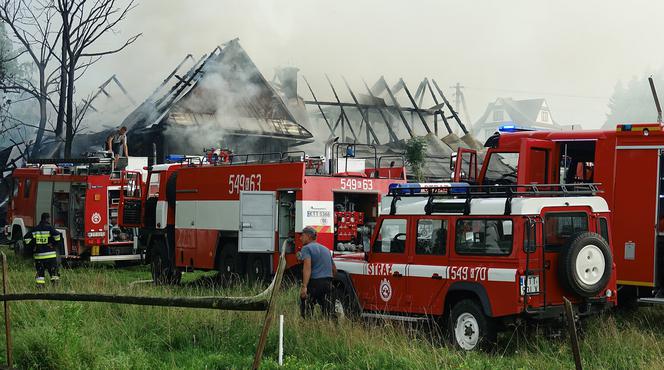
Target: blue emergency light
513, 128
175, 157
66, 164
424, 188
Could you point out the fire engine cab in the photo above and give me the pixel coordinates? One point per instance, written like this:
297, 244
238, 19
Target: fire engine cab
233, 213
87, 201
475, 259
628, 161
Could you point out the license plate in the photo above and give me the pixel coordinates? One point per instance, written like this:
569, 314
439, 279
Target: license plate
533, 284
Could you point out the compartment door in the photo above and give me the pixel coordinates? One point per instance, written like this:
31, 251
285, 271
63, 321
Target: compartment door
536, 163
131, 201
635, 200
257, 221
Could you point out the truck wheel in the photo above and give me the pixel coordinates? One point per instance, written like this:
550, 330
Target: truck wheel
20, 249
344, 303
258, 269
469, 329
585, 264
163, 269
228, 263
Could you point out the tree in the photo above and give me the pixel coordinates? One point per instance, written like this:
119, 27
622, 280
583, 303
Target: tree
32, 26
83, 23
634, 102
416, 149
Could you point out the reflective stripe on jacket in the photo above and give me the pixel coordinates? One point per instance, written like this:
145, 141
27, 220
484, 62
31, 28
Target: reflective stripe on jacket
43, 240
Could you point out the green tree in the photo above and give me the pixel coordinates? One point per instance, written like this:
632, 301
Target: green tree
416, 149
633, 102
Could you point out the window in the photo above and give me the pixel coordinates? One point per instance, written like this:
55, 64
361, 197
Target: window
559, 227
545, 116
153, 189
392, 236
603, 228
431, 237
497, 115
484, 237
502, 169
15, 189
26, 188
529, 236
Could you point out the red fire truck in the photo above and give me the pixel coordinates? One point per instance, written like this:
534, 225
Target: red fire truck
234, 213
628, 163
475, 258
84, 199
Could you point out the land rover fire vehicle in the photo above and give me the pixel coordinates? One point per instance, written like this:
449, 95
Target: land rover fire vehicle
85, 200
628, 161
475, 259
233, 213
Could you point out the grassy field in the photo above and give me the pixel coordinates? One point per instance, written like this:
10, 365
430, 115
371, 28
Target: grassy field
64, 335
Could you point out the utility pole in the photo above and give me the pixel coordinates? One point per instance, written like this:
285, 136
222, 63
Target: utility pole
460, 100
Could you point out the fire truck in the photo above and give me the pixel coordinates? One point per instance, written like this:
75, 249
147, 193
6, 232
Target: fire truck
474, 259
628, 162
87, 202
234, 213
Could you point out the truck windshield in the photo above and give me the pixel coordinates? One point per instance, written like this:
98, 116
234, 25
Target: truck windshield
501, 169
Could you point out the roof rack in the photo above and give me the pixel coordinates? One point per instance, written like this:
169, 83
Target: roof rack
466, 192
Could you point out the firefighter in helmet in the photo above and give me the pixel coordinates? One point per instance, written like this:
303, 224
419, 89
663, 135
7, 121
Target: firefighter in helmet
44, 241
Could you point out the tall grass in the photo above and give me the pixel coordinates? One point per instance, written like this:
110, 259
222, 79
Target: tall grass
71, 335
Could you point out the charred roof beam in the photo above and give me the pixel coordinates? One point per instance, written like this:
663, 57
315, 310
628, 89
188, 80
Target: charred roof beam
364, 114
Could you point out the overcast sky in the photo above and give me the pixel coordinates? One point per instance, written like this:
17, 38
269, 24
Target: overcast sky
570, 52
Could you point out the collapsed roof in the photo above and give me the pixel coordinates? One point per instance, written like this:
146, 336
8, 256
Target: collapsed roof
223, 91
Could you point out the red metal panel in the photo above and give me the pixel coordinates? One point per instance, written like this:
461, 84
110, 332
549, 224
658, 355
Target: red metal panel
634, 208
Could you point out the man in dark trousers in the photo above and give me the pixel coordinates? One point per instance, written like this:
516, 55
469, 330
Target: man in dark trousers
44, 241
317, 271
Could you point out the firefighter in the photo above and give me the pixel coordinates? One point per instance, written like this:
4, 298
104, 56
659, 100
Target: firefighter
44, 240
118, 144
317, 271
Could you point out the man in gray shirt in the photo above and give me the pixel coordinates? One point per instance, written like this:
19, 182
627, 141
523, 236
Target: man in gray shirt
317, 271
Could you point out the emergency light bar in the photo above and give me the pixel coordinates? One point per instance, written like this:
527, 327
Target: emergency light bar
176, 157
428, 187
514, 128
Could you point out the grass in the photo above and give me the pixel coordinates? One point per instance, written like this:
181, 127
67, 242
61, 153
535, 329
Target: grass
70, 335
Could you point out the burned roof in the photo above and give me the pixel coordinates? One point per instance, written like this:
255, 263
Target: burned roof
223, 90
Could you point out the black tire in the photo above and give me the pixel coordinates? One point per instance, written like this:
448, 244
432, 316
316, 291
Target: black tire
469, 329
163, 268
20, 249
344, 299
228, 263
585, 264
258, 268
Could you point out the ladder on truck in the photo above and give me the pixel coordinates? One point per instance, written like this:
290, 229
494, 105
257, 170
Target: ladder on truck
462, 194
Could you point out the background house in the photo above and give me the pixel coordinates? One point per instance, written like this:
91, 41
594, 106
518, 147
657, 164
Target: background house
531, 113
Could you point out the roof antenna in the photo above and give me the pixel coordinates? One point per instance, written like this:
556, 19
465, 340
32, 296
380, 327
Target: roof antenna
654, 95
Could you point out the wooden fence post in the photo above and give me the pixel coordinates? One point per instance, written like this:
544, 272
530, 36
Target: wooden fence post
571, 328
8, 330
270, 311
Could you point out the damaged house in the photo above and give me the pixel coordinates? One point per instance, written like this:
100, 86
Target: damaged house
223, 100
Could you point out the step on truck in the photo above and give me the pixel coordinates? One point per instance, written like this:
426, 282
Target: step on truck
474, 260
235, 212
628, 161
87, 202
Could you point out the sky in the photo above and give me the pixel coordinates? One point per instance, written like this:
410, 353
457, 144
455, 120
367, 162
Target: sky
572, 53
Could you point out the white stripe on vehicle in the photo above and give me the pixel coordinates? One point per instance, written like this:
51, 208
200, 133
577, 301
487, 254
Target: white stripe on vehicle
428, 271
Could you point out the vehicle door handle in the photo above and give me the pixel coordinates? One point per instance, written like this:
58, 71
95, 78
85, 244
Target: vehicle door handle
436, 277
397, 274
246, 225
